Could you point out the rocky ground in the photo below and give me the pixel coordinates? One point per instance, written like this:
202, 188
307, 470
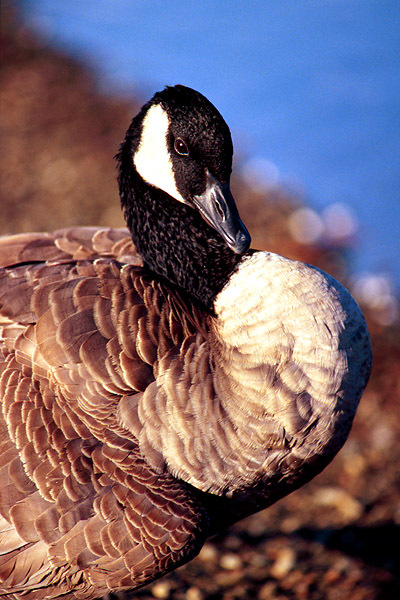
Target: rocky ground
336, 538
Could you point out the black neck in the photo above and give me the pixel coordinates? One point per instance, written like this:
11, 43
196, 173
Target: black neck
172, 238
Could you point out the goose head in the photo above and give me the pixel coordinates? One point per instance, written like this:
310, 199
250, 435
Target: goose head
174, 170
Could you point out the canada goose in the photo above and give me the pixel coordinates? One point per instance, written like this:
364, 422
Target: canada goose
152, 397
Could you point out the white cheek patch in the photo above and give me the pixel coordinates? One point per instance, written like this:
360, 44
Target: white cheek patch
152, 159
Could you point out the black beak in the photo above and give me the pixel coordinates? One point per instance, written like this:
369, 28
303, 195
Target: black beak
218, 208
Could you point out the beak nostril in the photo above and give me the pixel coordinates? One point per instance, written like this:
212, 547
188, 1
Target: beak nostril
219, 210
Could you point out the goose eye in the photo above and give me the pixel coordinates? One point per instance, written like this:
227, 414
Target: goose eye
180, 147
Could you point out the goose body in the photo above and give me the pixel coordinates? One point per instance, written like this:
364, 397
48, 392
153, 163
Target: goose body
158, 390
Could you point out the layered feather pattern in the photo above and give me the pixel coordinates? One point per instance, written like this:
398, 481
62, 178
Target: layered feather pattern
78, 502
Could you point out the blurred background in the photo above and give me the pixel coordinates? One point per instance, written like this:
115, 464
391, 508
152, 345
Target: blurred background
310, 90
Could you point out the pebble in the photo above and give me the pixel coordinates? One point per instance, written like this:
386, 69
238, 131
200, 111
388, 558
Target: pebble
232, 542
347, 506
331, 576
267, 592
208, 553
193, 593
290, 524
284, 562
161, 590
230, 561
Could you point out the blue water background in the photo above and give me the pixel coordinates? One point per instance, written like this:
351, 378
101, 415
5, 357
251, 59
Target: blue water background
311, 85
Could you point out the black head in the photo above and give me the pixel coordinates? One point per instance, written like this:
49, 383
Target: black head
174, 170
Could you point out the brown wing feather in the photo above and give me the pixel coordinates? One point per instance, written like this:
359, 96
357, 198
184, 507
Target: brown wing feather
78, 243
81, 510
